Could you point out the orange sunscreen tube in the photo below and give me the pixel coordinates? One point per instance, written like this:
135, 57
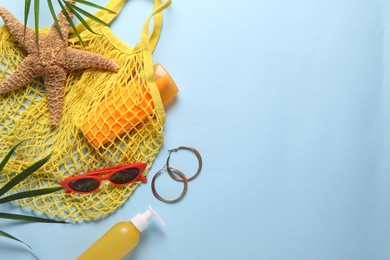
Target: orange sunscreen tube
118, 113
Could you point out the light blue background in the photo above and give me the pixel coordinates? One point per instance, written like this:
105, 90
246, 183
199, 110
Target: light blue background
288, 102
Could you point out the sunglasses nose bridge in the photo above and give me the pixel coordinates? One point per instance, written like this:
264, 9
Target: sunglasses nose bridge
104, 177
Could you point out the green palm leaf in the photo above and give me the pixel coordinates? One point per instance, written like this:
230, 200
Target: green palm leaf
8, 156
10, 216
53, 14
89, 15
4, 234
24, 174
26, 13
36, 16
75, 9
70, 22
25, 194
28, 194
94, 5
86, 25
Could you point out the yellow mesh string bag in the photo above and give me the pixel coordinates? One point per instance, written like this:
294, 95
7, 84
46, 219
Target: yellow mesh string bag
92, 134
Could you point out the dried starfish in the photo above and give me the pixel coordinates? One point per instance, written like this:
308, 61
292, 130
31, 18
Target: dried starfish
52, 60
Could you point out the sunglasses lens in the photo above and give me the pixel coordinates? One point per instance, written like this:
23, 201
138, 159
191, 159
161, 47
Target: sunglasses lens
125, 176
84, 185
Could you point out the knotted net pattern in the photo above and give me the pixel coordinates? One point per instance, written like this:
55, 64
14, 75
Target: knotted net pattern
25, 118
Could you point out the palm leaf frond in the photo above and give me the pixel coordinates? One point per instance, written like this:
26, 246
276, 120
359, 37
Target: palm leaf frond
28, 194
25, 194
10, 216
53, 14
94, 5
86, 25
8, 156
36, 16
4, 234
27, 7
89, 15
78, 12
23, 175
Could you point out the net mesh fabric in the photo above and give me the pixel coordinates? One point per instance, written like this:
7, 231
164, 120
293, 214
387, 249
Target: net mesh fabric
25, 118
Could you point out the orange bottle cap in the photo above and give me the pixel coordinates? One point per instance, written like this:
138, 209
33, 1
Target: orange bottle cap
165, 84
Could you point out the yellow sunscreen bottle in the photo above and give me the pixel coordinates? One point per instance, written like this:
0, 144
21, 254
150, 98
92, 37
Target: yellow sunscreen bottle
120, 239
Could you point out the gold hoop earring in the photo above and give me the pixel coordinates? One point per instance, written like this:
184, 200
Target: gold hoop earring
181, 178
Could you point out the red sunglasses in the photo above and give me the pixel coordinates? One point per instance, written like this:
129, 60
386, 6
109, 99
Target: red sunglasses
118, 175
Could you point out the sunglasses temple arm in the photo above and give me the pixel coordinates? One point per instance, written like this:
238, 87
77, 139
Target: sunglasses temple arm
106, 170
142, 178
97, 172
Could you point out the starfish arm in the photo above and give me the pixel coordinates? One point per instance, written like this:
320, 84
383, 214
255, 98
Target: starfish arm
16, 28
55, 83
78, 59
54, 35
24, 74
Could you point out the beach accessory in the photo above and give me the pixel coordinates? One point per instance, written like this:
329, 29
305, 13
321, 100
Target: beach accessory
118, 241
25, 117
177, 174
174, 171
51, 59
118, 176
119, 113
191, 149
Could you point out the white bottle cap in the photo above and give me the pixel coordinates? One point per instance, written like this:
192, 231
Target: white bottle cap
141, 221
